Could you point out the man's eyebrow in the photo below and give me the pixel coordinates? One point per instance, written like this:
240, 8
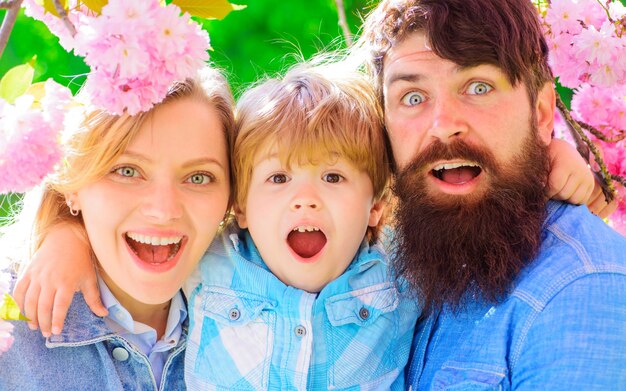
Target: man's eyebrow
415, 77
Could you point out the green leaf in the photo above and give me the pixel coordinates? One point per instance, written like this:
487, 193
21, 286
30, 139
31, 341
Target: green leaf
16, 81
48, 5
9, 309
208, 9
95, 5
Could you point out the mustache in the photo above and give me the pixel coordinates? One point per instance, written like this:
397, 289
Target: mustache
457, 149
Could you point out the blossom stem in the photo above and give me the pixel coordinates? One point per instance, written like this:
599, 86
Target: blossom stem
341, 12
584, 145
63, 15
12, 7
621, 133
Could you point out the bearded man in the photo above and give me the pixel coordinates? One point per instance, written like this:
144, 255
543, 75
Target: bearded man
518, 292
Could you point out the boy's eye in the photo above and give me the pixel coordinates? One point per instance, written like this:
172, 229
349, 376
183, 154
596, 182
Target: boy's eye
126, 171
278, 178
413, 98
478, 88
332, 178
200, 179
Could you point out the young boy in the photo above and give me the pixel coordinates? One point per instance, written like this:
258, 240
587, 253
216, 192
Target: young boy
300, 295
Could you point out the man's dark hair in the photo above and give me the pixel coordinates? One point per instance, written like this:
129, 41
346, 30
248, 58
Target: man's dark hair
504, 33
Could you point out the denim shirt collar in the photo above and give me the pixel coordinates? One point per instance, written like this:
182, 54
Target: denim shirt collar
82, 327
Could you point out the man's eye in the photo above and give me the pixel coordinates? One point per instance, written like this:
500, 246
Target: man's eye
478, 88
126, 171
413, 98
200, 179
278, 178
332, 178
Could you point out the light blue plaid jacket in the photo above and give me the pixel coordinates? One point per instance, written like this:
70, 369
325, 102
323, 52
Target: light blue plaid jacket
249, 331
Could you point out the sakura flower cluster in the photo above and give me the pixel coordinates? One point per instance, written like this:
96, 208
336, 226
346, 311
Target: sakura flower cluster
6, 339
587, 41
29, 137
135, 50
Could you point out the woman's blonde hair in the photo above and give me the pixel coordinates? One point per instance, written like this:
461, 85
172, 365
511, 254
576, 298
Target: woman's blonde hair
315, 112
92, 148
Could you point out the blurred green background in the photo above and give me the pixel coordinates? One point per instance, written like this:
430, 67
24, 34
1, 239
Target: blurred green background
262, 39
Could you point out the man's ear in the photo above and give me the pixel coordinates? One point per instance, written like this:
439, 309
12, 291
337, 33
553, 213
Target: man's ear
376, 213
545, 108
240, 216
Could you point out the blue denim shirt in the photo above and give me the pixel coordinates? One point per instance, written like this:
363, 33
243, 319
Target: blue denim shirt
250, 331
562, 327
86, 356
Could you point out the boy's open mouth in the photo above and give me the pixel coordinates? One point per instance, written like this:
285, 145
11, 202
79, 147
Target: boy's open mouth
154, 249
306, 241
456, 173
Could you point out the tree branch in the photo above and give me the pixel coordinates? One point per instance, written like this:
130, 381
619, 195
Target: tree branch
12, 7
343, 23
63, 15
584, 145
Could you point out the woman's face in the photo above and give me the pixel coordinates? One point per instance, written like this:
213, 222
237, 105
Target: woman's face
150, 219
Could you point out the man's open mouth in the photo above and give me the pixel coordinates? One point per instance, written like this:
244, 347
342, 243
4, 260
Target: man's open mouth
306, 240
154, 249
456, 173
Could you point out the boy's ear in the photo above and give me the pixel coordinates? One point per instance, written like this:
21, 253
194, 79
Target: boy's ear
545, 109
240, 216
376, 212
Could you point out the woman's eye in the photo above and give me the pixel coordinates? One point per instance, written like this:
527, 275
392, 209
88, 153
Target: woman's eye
413, 98
332, 178
200, 179
278, 178
478, 88
126, 171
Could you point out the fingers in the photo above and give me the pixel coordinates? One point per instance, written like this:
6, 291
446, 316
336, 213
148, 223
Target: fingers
598, 205
92, 297
62, 302
44, 310
31, 300
19, 291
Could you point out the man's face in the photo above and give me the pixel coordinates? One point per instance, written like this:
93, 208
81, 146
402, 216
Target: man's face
430, 99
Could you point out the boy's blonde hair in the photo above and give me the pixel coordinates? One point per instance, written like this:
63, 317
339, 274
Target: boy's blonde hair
312, 114
92, 148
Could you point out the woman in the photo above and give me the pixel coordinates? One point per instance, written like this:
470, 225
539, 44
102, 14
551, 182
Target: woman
150, 192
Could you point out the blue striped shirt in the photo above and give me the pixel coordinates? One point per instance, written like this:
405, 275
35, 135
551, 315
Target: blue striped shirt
249, 331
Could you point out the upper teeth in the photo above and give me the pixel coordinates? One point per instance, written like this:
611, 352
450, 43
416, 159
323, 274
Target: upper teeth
450, 166
154, 240
306, 228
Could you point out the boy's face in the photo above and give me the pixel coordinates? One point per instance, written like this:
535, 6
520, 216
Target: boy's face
308, 221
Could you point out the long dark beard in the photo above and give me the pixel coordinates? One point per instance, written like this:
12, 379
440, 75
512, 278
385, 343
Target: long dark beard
453, 248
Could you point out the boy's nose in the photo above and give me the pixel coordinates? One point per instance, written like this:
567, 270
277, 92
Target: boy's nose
306, 198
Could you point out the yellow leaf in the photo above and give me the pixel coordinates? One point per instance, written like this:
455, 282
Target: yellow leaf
48, 5
16, 81
95, 5
208, 9
9, 309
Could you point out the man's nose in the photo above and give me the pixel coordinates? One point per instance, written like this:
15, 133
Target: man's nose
448, 121
162, 203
